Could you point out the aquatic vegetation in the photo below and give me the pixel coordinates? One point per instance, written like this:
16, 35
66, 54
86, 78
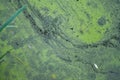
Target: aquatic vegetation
57, 39
12, 17
1, 57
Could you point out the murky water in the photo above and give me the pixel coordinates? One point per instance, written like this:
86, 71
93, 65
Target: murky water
60, 40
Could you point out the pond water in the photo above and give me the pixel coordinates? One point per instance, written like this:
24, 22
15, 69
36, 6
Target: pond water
60, 40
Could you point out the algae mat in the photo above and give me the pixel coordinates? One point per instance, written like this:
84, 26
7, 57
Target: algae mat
60, 40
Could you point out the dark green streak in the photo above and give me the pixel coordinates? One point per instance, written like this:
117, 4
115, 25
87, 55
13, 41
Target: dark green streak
4, 55
12, 17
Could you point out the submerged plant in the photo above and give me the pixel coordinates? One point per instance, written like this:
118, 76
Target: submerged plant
12, 17
1, 57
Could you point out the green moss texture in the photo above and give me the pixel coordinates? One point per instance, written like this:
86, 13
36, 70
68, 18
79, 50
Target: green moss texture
60, 40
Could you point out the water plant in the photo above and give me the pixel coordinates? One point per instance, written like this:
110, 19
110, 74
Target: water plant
12, 17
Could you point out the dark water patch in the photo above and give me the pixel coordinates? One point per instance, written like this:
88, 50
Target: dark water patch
113, 72
4, 37
92, 4
14, 76
113, 76
117, 1
16, 43
101, 21
91, 76
6, 73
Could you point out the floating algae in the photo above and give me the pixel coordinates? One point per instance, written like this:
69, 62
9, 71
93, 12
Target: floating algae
67, 42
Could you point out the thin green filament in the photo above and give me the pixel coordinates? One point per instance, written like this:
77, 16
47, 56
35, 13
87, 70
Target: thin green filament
3, 55
12, 17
